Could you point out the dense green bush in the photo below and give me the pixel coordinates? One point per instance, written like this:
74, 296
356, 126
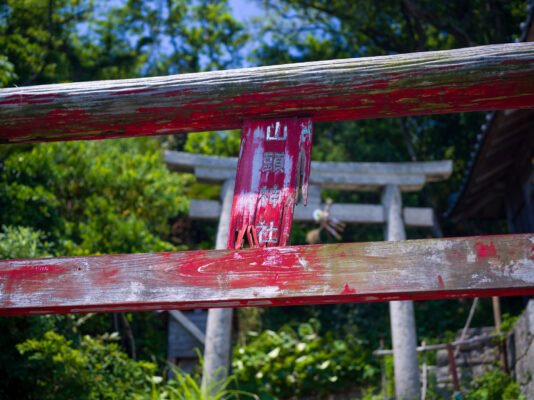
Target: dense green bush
222, 144
92, 369
93, 197
494, 385
22, 242
95, 368
79, 198
298, 362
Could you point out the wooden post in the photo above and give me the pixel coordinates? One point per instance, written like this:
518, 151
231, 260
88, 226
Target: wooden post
425, 377
496, 303
219, 325
383, 370
407, 384
452, 367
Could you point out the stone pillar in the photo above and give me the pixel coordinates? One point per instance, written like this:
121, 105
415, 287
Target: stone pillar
407, 383
219, 325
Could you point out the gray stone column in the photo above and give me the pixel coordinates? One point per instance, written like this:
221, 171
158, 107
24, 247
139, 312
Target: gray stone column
219, 325
407, 383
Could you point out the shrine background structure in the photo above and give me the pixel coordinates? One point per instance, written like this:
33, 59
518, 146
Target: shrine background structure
223, 278
391, 179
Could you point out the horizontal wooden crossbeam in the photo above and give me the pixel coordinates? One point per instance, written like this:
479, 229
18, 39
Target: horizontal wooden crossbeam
360, 176
471, 79
359, 272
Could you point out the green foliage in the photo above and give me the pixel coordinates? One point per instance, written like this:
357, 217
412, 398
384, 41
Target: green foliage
76, 40
222, 144
202, 34
92, 369
508, 322
311, 30
78, 198
93, 197
186, 387
95, 368
299, 362
7, 73
371, 394
22, 242
494, 385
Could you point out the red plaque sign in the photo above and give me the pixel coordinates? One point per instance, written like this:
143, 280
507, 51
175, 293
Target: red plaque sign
274, 162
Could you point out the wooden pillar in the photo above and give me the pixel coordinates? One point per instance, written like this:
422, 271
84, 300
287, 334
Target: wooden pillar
407, 384
219, 325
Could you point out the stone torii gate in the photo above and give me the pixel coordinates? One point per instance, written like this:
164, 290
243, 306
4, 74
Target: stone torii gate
389, 178
350, 176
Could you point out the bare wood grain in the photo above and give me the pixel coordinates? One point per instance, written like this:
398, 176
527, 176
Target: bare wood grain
360, 272
471, 79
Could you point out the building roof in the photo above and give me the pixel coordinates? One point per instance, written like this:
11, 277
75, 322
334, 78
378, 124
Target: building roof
501, 158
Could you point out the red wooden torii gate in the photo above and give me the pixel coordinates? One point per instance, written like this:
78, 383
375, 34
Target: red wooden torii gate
473, 79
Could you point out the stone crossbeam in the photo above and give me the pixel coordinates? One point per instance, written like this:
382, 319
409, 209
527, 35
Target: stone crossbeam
355, 176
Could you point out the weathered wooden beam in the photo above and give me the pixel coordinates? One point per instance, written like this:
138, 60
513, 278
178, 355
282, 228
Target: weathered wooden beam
470, 79
358, 272
348, 213
361, 176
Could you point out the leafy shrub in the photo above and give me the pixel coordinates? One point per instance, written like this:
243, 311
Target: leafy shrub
93, 197
298, 362
78, 198
225, 144
93, 368
185, 387
22, 242
494, 385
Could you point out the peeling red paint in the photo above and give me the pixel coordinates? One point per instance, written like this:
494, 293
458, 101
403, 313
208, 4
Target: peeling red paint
274, 163
485, 250
30, 277
107, 276
279, 270
32, 271
213, 105
348, 290
381, 271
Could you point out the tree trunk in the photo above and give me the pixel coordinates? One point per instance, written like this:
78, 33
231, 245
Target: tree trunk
219, 325
407, 384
